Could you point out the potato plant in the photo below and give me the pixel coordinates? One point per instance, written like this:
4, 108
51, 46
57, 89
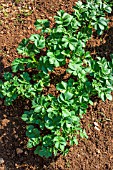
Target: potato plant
53, 122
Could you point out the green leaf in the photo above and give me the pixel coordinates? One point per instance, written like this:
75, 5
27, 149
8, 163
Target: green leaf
26, 76
43, 151
61, 86
83, 134
75, 140
38, 40
24, 117
22, 46
62, 147
68, 95
103, 21
34, 37
49, 123
7, 76
65, 112
30, 144
38, 109
41, 24
57, 145
72, 47
8, 101
32, 132
108, 9
101, 26
109, 96
102, 96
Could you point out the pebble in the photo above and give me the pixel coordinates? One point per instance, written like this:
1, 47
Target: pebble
98, 151
96, 124
102, 110
26, 107
2, 168
16, 136
96, 128
26, 153
19, 151
95, 104
44, 166
16, 165
1, 161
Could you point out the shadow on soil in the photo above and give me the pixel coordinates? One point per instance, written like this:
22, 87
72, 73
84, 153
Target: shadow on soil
13, 140
105, 49
1, 67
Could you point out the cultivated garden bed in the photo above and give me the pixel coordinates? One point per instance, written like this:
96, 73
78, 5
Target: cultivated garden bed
58, 81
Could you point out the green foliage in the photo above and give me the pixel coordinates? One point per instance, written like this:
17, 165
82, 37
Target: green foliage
53, 122
110, 2
92, 14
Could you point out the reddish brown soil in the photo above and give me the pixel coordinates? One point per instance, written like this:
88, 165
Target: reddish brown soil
96, 153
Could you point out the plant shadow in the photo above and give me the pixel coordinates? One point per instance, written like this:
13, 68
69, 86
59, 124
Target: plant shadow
101, 46
1, 67
13, 135
13, 141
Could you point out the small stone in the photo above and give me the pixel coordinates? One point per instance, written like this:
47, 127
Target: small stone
102, 110
30, 7
5, 122
98, 151
26, 107
16, 136
44, 166
26, 153
96, 124
95, 104
96, 128
111, 157
16, 165
19, 151
1, 161
2, 168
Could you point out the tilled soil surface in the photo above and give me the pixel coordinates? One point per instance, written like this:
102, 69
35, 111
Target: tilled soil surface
95, 153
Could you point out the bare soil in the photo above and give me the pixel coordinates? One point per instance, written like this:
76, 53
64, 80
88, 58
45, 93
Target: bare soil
95, 153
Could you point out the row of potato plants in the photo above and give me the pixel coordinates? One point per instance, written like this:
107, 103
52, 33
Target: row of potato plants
53, 122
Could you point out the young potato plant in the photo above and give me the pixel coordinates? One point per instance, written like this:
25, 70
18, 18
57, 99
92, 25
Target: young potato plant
53, 122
